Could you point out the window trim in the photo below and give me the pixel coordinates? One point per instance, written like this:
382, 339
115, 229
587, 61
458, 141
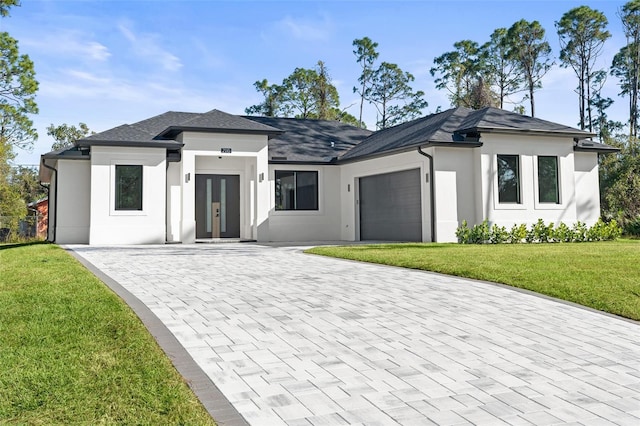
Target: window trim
317, 210
545, 205
508, 205
113, 188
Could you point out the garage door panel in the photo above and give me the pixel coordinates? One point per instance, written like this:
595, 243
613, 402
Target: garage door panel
391, 207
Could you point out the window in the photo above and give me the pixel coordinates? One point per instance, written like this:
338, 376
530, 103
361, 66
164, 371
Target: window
548, 188
509, 179
296, 190
128, 187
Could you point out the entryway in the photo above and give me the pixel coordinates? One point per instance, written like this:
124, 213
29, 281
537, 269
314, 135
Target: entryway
217, 206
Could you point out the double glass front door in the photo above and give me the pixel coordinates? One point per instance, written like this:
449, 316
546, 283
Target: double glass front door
217, 206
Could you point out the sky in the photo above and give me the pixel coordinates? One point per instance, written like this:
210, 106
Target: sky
107, 63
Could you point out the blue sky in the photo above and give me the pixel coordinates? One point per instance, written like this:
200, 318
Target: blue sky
107, 63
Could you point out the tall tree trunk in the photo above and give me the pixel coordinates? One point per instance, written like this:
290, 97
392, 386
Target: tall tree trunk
531, 101
361, 102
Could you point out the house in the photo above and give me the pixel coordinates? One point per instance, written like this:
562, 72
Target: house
185, 177
39, 214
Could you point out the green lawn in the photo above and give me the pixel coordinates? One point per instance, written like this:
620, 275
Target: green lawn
71, 352
603, 275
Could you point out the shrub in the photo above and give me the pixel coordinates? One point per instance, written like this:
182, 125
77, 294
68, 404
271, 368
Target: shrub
518, 233
498, 234
480, 233
539, 232
579, 232
463, 232
632, 227
562, 233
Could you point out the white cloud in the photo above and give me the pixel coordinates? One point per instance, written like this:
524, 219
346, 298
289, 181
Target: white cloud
72, 44
306, 29
149, 46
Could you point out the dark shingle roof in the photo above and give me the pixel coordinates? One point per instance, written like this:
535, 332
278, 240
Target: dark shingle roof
306, 140
322, 141
221, 120
494, 119
164, 127
451, 127
438, 128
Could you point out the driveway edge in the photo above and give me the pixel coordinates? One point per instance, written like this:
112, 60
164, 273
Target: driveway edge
218, 406
491, 283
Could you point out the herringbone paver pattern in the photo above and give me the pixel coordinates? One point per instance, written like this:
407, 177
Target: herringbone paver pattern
305, 340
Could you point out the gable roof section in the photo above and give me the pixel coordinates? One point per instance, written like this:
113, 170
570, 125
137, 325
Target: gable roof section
159, 131
310, 141
439, 128
452, 127
497, 120
219, 122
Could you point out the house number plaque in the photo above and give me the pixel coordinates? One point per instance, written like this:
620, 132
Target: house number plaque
225, 150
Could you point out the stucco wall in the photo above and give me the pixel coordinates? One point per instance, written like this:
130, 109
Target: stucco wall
109, 226
74, 195
529, 210
456, 175
317, 225
202, 153
348, 189
587, 187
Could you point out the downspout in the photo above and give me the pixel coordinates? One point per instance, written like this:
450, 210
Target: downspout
55, 201
432, 188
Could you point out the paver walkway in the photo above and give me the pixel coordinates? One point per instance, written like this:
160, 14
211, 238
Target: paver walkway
298, 339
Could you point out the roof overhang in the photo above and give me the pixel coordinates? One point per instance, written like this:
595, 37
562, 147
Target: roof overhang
138, 144
537, 132
173, 131
587, 145
412, 147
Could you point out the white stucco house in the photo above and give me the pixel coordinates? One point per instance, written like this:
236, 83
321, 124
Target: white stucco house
187, 177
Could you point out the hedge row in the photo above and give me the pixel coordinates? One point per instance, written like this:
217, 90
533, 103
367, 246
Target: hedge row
537, 233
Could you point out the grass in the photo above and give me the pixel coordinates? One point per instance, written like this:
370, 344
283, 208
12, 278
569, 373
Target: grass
603, 275
71, 352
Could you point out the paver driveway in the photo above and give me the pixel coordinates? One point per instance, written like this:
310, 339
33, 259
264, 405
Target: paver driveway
298, 339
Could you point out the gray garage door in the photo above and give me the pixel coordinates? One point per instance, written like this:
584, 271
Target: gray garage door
391, 207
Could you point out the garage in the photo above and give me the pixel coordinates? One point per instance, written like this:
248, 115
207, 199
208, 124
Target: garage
391, 206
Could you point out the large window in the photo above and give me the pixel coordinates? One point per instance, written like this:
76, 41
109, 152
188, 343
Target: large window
548, 188
128, 187
509, 179
296, 190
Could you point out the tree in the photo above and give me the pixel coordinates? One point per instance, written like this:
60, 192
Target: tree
305, 93
626, 67
298, 91
344, 117
626, 63
620, 183
271, 106
366, 55
390, 92
325, 94
505, 76
582, 32
463, 73
5, 5
27, 183
527, 47
18, 87
65, 136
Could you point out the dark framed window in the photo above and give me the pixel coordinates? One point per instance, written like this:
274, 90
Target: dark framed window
548, 187
509, 179
296, 190
128, 187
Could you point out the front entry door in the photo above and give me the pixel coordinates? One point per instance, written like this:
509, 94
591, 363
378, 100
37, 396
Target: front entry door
217, 206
